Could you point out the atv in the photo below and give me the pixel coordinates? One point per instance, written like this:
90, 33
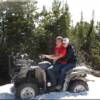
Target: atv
30, 79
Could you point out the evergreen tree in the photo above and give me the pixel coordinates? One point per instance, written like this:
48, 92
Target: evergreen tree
16, 30
17, 25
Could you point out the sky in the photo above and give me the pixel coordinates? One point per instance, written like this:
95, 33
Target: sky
76, 7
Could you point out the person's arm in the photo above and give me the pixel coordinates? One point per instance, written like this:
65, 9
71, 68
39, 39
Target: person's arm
62, 53
54, 57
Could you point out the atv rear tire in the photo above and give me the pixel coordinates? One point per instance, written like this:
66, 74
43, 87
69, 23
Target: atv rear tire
26, 91
78, 86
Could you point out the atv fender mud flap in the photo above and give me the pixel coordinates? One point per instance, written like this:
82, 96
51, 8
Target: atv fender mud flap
41, 76
66, 83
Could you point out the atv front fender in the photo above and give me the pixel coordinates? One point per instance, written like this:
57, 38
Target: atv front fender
23, 72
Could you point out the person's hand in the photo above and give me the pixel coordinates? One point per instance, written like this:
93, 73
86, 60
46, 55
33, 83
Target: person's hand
46, 56
42, 56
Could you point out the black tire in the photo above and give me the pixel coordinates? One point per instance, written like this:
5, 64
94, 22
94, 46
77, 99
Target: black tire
78, 86
31, 90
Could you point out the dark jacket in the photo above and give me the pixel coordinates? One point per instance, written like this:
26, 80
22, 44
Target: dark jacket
71, 55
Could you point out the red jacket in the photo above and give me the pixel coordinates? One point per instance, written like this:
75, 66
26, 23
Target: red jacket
61, 51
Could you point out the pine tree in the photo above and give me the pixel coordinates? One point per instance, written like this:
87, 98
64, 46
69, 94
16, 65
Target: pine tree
16, 30
18, 25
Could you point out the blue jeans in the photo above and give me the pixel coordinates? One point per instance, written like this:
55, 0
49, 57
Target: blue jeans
54, 73
63, 69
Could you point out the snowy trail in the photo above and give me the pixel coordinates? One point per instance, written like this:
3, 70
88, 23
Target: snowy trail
93, 93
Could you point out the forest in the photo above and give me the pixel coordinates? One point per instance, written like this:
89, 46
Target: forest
23, 28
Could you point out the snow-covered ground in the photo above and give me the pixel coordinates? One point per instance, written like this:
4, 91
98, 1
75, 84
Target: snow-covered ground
93, 93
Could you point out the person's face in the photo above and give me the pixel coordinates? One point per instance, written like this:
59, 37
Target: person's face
59, 42
65, 44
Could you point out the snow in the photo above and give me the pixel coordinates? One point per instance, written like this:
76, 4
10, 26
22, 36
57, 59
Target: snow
5, 92
93, 93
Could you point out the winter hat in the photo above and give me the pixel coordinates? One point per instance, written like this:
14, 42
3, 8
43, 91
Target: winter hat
66, 40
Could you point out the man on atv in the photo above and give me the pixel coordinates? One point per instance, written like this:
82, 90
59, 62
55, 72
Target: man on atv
60, 52
70, 59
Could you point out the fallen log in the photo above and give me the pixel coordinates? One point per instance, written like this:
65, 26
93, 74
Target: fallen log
95, 73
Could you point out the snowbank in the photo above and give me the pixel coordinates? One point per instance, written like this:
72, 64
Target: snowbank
93, 93
5, 92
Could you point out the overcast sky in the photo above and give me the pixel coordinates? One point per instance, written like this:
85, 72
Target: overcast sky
76, 6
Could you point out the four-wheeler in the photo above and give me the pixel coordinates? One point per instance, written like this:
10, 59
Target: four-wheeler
31, 80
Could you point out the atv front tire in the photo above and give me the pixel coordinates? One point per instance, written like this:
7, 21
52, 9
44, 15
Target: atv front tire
26, 91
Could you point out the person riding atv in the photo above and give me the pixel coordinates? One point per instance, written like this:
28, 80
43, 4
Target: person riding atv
59, 52
64, 59
31, 79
